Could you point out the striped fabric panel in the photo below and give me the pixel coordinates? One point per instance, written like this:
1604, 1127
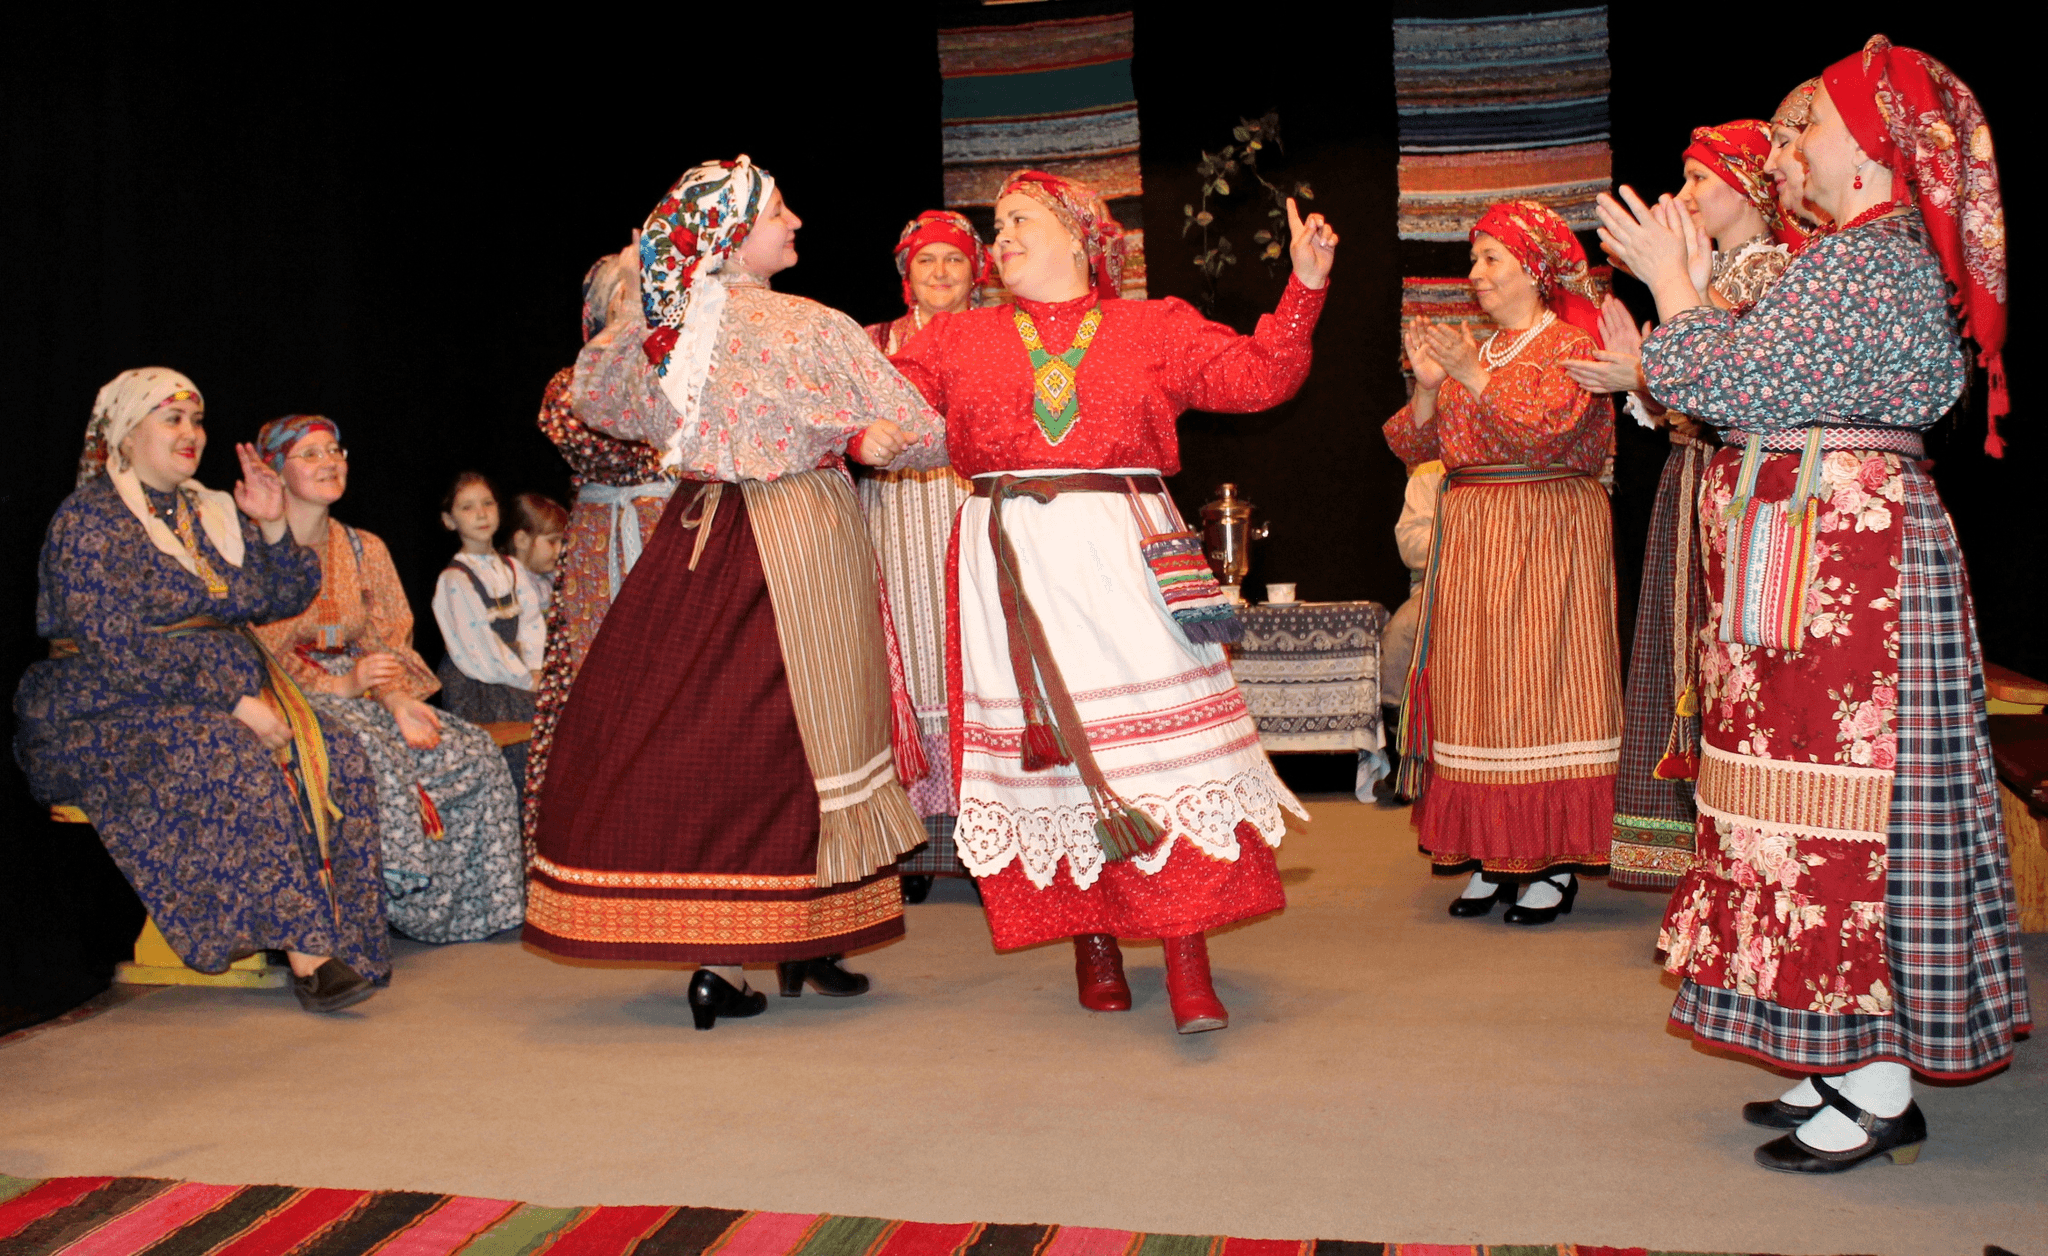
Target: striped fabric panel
1442, 196
302, 1217
1778, 796
81, 1212
164, 1213
28, 1201
820, 568
1080, 1241
910, 518
448, 1228
525, 1231
250, 1207
370, 1223
1537, 704
923, 1238
766, 1234
1501, 82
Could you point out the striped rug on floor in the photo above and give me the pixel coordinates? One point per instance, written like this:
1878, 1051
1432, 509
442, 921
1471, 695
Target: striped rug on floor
119, 1216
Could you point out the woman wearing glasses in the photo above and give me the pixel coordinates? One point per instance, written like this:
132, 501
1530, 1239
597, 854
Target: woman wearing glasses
453, 864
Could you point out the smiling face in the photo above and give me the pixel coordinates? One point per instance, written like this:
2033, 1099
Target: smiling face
315, 469
1039, 258
164, 448
941, 279
1721, 211
473, 517
1505, 290
1829, 155
770, 246
1787, 176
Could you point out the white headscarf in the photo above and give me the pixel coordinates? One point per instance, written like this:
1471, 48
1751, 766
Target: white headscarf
683, 246
123, 403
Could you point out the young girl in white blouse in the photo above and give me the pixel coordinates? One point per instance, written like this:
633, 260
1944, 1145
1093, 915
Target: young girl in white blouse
492, 620
537, 522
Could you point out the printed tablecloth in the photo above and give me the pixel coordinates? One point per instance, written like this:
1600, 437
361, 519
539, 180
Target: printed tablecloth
1310, 673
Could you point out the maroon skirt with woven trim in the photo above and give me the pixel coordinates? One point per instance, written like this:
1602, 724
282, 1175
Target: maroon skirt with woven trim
678, 820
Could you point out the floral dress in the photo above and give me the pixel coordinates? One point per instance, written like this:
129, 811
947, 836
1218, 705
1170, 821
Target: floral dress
1851, 899
137, 730
453, 864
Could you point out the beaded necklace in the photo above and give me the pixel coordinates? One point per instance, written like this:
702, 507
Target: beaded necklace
1055, 402
1494, 361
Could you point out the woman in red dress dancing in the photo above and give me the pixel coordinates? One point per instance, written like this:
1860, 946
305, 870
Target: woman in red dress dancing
1111, 781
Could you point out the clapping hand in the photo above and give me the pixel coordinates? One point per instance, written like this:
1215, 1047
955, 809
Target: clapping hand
1457, 352
1429, 373
1313, 247
1619, 366
1662, 246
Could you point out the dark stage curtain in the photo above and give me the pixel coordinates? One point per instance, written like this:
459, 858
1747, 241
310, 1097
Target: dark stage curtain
386, 221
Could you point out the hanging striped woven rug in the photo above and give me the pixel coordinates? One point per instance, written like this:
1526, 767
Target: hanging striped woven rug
117, 1216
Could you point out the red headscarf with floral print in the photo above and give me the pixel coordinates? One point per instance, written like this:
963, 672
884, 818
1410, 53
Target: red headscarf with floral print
1545, 246
1082, 211
1913, 116
1736, 151
939, 226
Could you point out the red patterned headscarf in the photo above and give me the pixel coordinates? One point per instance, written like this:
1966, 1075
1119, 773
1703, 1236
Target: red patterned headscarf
1796, 110
1544, 244
1082, 211
939, 226
1736, 152
1913, 116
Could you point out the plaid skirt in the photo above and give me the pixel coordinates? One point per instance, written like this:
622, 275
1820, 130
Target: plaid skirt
1950, 956
1654, 817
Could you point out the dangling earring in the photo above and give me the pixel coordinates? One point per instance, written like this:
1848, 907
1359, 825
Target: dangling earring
1859, 180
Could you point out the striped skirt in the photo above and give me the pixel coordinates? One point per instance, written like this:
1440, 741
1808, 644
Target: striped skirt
1852, 898
1653, 815
1519, 669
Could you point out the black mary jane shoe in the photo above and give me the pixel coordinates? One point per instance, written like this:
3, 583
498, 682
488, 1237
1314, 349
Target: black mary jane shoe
712, 996
1899, 1137
916, 886
1776, 1114
1466, 908
825, 976
332, 987
1520, 915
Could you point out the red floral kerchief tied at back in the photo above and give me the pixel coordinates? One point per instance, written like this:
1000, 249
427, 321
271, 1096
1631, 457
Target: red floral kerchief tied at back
1913, 116
683, 244
1736, 151
939, 226
1082, 211
1545, 246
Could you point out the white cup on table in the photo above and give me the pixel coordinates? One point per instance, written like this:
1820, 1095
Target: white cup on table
1280, 594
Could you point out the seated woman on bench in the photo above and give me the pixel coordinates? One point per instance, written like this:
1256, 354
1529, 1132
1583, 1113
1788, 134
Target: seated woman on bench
241, 823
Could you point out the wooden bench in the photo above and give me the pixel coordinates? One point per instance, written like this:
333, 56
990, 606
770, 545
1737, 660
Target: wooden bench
2019, 745
156, 964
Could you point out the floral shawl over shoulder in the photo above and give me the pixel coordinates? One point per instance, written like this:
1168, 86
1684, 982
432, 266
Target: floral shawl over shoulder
791, 382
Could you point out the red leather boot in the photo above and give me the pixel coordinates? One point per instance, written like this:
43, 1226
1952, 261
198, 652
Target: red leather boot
1195, 1005
1099, 970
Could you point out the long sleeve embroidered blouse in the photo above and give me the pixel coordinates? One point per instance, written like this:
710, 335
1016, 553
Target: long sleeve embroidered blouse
102, 585
791, 382
473, 646
1856, 331
360, 609
1149, 362
1531, 413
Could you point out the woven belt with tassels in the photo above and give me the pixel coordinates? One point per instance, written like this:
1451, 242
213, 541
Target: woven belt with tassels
1053, 733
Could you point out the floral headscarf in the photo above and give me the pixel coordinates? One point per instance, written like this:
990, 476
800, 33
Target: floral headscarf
1082, 211
939, 226
683, 245
600, 284
1913, 116
123, 403
1796, 110
1736, 152
274, 440
1545, 246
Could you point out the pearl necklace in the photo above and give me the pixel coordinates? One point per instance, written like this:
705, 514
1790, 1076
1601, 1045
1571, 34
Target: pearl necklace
1493, 360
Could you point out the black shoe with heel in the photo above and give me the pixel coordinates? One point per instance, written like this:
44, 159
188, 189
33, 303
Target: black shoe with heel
825, 976
1776, 1114
916, 887
1465, 908
1520, 915
1899, 1137
332, 987
712, 996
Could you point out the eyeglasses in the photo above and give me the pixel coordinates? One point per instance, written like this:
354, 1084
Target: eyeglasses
310, 456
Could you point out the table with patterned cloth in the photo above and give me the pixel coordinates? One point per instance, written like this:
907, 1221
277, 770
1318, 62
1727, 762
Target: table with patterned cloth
1310, 674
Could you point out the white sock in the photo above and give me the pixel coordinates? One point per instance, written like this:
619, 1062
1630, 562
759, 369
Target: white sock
1804, 1095
1478, 887
1882, 1089
733, 973
1563, 879
1542, 892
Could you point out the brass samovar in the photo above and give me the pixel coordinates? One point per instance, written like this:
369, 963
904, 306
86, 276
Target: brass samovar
1227, 534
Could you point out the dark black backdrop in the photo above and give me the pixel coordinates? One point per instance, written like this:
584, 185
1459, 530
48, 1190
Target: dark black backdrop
386, 223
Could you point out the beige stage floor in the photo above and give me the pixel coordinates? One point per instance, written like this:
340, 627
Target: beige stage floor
1390, 1074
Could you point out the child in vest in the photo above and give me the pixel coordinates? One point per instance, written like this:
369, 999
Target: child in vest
492, 622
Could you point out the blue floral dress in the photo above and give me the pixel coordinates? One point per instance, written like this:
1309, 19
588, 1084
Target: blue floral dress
137, 730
